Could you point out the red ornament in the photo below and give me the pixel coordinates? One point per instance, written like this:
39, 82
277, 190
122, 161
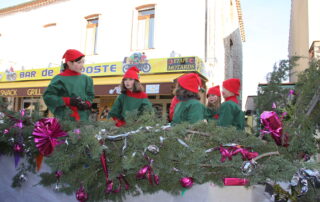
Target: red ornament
18, 148
186, 182
81, 194
58, 174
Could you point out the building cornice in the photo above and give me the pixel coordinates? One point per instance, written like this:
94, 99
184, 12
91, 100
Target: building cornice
26, 6
240, 18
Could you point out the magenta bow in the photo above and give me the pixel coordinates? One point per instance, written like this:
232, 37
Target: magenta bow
234, 150
273, 125
46, 133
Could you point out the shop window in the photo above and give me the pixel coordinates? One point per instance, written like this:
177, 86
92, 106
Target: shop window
91, 34
32, 105
145, 30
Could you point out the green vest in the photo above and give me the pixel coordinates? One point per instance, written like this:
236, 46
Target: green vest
231, 115
190, 111
126, 103
68, 86
211, 114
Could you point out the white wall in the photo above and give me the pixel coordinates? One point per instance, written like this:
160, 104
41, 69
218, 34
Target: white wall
179, 27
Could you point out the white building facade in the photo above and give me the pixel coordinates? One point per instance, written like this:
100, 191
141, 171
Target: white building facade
36, 34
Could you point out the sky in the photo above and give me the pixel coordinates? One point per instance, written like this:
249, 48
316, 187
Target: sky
266, 24
9, 3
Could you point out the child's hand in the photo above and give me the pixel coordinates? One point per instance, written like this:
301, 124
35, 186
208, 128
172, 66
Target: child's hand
84, 105
75, 101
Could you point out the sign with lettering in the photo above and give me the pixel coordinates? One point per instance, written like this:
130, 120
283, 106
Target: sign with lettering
158, 65
27, 92
152, 88
186, 64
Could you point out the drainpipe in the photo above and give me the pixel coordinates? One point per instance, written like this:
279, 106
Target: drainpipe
206, 31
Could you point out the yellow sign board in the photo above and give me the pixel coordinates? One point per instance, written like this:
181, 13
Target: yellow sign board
159, 65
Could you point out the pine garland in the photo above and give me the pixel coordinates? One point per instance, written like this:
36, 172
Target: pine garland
182, 153
178, 151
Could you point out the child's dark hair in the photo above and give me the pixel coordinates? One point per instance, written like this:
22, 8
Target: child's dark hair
137, 87
184, 94
65, 65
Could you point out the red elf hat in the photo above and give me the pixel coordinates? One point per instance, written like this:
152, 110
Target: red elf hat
215, 90
232, 85
132, 73
72, 55
191, 82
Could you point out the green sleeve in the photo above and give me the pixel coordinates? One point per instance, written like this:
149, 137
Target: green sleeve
146, 105
116, 109
225, 115
52, 96
196, 113
90, 90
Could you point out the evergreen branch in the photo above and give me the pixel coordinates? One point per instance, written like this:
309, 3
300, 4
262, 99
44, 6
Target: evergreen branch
265, 154
198, 133
315, 99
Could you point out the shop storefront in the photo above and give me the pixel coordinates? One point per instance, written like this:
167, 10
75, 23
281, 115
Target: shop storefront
158, 76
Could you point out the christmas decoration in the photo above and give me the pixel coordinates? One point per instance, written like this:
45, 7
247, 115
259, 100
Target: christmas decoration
109, 183
58, 174
81, 194
23, 178
235, 181
186, 182
248, 167
121, 178
147, 172
302, 177
18, 149
272, 125
153, 149
39, 159
234, 149
46, 132
182, 151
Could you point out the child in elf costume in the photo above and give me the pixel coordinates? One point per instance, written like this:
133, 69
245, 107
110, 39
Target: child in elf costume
214, 102
189, 109
230, 113
70, 93
131, 98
